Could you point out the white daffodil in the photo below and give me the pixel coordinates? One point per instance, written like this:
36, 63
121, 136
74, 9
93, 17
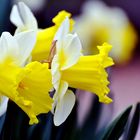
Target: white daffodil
18, 48
22, 17
68, 51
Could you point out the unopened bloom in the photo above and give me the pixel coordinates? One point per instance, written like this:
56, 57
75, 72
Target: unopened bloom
70, 68
23, 19
26, 85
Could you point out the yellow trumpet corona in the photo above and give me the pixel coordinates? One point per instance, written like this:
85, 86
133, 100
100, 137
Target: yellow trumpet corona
28, 87
89, 73
45, 37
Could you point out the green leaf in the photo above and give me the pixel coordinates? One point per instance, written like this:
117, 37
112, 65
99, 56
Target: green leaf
134, 123
116, 128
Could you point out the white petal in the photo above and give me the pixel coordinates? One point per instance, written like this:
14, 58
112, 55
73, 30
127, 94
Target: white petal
72, 49
54, 64
56, 75
62, 89
9, 45
23, 18
63, 30
27, 16
64, 107
56, 80
19, 47
3, 105
3, 49
15, 17
26, 42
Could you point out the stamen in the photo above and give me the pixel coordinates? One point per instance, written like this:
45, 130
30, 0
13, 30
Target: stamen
51, 54
21, 85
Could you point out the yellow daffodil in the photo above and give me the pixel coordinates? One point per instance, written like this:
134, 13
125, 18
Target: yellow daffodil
99, 23
19, 49
27, 86
23, 19
89, 73
68, 51
70, 68
46, 36
34, 88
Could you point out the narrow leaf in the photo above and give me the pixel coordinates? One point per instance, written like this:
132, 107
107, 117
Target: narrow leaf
134, 123
116, 128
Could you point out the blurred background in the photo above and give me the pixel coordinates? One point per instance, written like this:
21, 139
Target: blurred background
125, 75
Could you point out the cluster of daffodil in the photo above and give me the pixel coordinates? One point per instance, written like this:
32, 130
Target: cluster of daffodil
35, 62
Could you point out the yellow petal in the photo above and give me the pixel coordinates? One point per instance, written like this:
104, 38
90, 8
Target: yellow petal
90, 74
45, 37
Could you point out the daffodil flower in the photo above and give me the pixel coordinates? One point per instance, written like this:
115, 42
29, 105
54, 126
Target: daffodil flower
22, 17
26, 85
99, 23
68, 51
89, 73
70, 68
18, 48
46, 36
